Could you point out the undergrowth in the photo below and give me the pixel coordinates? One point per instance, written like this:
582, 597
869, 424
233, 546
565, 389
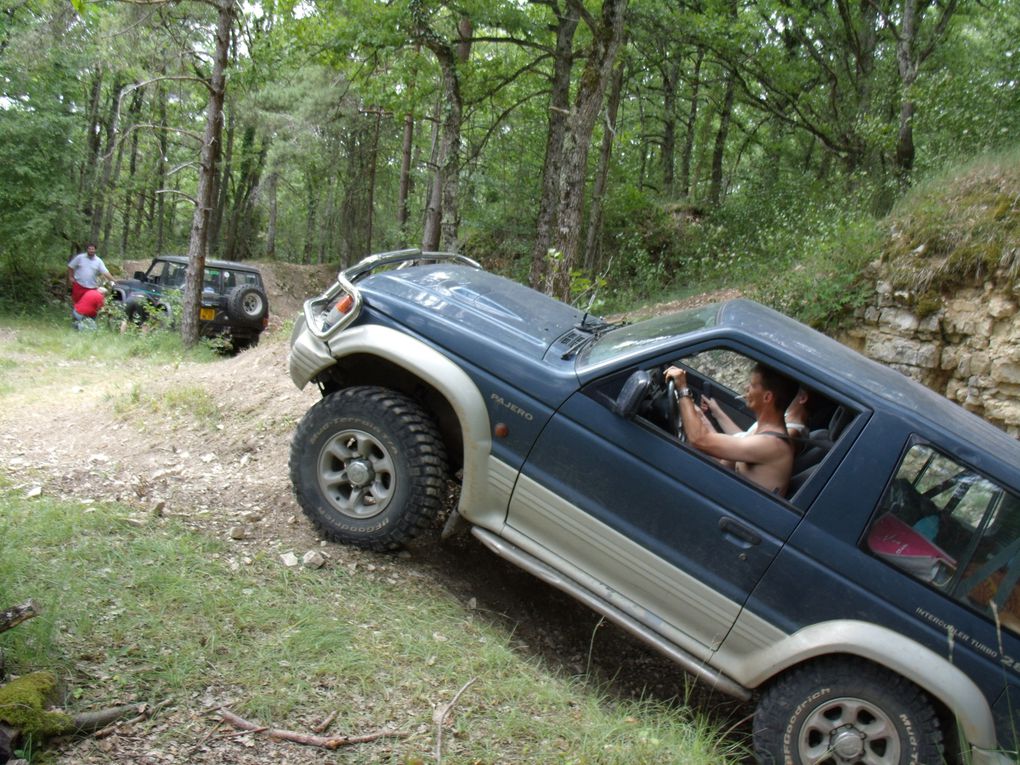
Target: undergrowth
957, 226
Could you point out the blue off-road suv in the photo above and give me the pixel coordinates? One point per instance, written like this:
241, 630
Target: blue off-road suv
873, 610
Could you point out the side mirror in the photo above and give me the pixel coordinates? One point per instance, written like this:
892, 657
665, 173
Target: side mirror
140, 276
633, 393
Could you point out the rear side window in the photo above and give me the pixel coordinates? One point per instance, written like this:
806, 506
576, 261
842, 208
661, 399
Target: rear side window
956, 530
248, 278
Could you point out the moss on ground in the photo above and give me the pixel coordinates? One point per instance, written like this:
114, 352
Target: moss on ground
23, 706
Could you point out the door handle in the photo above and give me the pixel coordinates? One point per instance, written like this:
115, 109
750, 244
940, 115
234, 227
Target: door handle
738, 532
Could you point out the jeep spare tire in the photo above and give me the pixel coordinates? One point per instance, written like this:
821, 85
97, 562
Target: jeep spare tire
368, 467
247, 303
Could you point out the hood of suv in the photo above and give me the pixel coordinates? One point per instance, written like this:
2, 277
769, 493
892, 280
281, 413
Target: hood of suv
442, 299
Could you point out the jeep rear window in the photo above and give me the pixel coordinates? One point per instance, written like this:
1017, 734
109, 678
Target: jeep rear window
629, 338
954, 529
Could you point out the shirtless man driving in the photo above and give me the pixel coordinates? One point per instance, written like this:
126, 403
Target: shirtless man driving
765, 456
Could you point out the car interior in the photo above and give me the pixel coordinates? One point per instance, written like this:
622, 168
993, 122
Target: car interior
719, 374
954, 529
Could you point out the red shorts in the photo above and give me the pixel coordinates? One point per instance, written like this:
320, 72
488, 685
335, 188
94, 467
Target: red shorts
77, 291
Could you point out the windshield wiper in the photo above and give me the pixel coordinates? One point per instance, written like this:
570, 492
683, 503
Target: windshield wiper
596, 330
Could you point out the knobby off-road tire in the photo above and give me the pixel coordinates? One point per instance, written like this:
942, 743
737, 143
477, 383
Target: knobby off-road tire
247, 304
368, 467
841, 711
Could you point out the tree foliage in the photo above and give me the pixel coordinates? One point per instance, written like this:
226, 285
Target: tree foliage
357, 125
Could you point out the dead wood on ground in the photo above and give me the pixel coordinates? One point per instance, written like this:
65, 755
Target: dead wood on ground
323, 742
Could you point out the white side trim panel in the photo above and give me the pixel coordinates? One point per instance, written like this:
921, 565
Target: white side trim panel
756, 651
631, 578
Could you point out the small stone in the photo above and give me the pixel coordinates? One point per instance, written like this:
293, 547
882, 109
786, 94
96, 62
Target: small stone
289, 559
207, 457
237, 532
157, 507
35, 491
292, 519
313, 559
472, 603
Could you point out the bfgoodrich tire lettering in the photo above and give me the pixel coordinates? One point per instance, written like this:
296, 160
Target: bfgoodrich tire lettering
843, 711
368, 467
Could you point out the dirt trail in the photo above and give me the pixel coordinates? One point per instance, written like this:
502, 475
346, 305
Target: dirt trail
227, 475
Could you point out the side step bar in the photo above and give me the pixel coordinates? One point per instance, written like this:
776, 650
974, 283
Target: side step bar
547, 574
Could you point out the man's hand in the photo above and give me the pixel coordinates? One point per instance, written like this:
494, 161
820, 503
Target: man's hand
677, 375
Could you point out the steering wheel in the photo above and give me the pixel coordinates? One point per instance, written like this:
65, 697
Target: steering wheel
676, 424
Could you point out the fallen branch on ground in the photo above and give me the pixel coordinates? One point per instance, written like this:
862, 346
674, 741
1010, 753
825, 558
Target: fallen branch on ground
144, 712
324, 725
323, 742
439, 718
14, 616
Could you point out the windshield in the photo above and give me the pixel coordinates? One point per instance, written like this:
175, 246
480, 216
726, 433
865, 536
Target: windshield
631, 338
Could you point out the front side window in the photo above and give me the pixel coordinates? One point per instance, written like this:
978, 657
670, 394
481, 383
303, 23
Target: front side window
954, 529
174, 275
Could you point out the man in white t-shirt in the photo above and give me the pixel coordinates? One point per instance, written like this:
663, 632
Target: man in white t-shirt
84, 271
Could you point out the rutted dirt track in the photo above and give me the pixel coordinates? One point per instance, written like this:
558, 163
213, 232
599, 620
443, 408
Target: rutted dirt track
232, 478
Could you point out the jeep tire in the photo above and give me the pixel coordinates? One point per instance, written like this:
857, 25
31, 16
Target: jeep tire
247, 304
840, 711
368, 467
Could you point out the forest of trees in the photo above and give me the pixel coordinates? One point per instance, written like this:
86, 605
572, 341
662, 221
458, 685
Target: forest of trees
559, 141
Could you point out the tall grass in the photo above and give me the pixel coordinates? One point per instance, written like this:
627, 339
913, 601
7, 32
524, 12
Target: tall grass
156, 611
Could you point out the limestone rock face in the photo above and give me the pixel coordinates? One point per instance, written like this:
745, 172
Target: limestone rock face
968, 349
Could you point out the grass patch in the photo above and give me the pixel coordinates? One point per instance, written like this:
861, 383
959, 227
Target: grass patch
53, 336
958, 226
190, 401
157, 611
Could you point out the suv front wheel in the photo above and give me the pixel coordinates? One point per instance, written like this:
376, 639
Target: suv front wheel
845, 711
368, 467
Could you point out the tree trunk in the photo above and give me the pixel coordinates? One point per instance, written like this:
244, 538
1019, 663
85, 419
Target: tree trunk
207, 171
719, 150
311, 224
221, 189
593, 244
606, 38
433, 201
670, 77
405, 176
136, 108
93, 142
907, 66
102, 188
692, 121
271, 183
160, 172
448, 162
373, 160
449, 151
559, 108
406, 152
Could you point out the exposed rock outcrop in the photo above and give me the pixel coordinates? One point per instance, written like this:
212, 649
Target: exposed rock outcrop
968, 349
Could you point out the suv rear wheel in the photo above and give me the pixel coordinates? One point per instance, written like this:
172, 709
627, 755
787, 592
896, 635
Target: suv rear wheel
368, 467
247, 303
844, 711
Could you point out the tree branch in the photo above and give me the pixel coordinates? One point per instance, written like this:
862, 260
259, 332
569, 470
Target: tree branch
439, 718
15, 615
323, 742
